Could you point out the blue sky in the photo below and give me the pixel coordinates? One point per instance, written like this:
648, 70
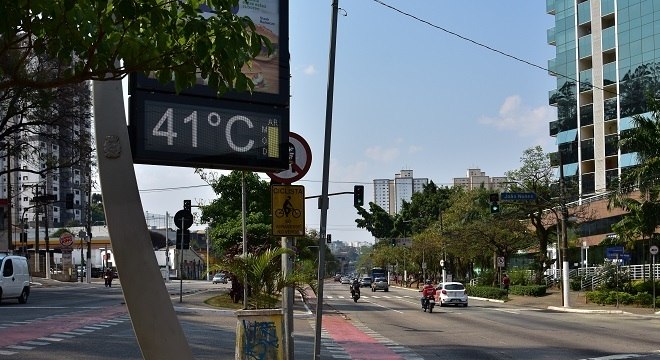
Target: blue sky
408, 95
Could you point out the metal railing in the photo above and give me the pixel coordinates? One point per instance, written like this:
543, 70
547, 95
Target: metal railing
591, 278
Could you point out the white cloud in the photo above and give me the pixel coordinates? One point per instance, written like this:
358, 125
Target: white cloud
350, 172
309, 70
524, 120
412, 149
382, 154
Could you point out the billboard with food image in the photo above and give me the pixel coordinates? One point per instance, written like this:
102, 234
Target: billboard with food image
269, 71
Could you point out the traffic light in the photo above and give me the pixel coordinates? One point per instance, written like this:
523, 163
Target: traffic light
393, 242
358, 195
494, 203
186, 205
69, 201
328, 238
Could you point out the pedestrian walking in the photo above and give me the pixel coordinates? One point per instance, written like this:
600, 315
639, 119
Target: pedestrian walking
506, 282
108, 277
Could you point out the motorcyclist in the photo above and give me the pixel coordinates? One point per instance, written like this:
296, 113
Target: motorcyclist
355, 287
427, 290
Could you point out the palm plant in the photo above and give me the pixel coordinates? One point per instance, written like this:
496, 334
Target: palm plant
263, 273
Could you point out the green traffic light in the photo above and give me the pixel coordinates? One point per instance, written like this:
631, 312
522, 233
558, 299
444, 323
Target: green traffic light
494, 208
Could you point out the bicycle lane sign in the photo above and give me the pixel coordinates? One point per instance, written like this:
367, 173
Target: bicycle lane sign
288, 210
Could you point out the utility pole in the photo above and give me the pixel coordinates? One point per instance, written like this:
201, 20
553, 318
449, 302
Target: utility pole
9, 197
325, 179
37, 256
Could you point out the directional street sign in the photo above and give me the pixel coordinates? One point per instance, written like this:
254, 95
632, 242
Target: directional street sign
509, 196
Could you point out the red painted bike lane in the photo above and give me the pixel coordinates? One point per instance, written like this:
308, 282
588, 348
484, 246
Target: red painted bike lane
41, 328
355, 342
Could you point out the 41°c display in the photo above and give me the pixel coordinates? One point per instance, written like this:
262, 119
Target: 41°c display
182, 131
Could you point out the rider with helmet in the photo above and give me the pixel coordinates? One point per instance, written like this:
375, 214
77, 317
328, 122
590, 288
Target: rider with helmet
427, 290
355, 287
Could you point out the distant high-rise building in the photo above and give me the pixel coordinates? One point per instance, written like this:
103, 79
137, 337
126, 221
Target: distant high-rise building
390, 194
476, 179
63, 142
606, 62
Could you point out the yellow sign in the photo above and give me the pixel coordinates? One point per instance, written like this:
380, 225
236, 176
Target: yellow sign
288, 210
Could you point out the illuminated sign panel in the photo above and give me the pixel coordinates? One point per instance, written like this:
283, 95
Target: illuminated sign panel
226, 135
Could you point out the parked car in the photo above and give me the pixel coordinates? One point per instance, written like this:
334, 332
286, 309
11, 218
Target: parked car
219, 278
365, 281
345, 280
380, 283
451, 293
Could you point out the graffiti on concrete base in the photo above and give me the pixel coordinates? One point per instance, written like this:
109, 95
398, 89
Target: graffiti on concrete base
260, 341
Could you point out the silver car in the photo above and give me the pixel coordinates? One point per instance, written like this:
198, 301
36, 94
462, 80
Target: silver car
380, 283
365, 281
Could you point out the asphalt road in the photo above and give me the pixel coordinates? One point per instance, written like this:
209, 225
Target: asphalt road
89, 321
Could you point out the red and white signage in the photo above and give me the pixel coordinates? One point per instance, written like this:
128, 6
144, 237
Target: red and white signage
66, 239
300, 160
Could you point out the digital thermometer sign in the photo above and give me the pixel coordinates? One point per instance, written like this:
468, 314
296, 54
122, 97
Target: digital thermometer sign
181, 130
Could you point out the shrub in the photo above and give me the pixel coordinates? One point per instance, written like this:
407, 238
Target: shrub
519, 277
614, 277
597, 297
486, 277
529, 290
644, 286
644, 299
488, 292
606, 297
575, 284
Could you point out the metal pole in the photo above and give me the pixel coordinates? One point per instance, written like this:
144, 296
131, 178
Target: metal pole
46, 239
82, 273
181, 264
326, 176
208, 274
244, 229
167, 246
653, 280
287, 301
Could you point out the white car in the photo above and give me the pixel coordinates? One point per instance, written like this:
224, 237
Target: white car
451, 293
219, 278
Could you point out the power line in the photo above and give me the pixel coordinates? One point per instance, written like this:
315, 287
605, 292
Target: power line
490, 47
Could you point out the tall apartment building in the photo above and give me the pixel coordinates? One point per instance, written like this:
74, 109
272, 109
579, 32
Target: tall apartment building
606, 60
476, 179
390, 194
31, 180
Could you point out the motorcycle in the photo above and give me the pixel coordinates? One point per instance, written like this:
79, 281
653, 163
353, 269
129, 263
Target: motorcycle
428, 303
355, 294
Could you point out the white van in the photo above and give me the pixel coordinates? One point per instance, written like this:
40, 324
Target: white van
14, 278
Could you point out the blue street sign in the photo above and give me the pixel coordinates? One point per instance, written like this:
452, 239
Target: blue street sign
617, 252
611, 252
507, 196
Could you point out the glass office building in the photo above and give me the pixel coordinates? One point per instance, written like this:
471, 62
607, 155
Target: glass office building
607, 62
